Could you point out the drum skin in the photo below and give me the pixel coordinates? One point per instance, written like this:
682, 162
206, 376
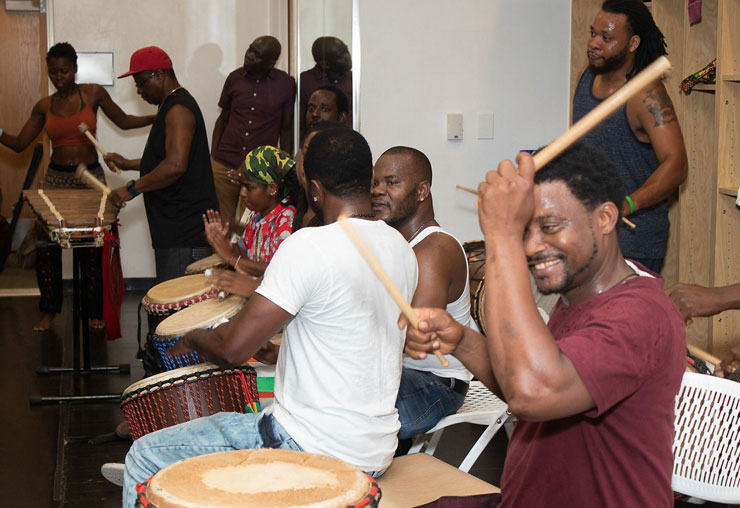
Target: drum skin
240, 478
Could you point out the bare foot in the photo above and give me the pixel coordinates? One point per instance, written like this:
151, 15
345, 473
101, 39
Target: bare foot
44, 323
97, 324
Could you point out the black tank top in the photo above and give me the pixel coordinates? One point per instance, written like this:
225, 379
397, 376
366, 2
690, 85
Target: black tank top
635, 161
175, 212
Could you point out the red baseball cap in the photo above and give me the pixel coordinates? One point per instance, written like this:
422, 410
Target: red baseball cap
150, 58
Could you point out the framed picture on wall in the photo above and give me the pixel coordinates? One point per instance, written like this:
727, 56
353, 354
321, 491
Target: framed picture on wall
95, 68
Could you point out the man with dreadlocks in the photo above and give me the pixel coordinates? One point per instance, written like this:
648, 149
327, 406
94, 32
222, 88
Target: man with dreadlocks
643, 138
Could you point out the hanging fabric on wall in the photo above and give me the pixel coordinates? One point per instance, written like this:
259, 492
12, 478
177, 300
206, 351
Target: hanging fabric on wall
694, 12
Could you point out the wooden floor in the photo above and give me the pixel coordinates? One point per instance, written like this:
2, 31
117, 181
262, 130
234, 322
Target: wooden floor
46, 457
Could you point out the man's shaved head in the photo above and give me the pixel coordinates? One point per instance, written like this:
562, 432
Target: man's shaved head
418, 164
270, 47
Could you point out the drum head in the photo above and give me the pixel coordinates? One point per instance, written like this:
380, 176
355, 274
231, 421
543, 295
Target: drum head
201, 315
176, 290
258, 478
212, 261
158, 379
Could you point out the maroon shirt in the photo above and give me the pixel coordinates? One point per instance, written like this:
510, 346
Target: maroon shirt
255, 108
628, 345
314, 78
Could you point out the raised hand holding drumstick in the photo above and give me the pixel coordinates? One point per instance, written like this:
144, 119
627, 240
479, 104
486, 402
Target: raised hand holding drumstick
86, 131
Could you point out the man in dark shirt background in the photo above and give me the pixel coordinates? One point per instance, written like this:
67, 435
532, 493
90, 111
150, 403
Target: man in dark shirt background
256, 109
333, 67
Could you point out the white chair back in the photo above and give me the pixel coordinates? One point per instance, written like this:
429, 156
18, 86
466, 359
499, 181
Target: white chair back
706, 443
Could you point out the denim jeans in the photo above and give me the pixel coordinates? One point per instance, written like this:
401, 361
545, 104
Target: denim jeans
422, 402
218, 433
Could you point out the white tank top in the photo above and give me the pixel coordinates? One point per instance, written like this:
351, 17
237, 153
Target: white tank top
459, 310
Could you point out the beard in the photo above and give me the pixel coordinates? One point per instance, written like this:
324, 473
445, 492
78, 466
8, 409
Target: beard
568, 282
611, 63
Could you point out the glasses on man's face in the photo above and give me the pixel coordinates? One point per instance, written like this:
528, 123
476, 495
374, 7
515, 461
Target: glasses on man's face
141, 83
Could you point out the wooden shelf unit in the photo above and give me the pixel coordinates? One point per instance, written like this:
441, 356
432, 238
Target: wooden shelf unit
704, 243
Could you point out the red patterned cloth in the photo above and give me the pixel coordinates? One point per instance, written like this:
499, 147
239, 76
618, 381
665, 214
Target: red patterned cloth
113, 285
263, 235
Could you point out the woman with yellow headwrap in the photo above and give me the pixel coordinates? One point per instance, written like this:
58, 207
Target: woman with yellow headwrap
269, 187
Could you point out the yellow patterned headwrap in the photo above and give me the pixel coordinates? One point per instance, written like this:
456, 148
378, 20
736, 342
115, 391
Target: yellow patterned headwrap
267, 164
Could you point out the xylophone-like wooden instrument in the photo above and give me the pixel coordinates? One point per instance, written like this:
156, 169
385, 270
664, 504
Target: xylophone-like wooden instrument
73, 217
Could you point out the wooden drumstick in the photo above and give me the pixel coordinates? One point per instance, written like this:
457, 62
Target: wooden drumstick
635, 85
390, 286
83, 175
703, 355
86, 131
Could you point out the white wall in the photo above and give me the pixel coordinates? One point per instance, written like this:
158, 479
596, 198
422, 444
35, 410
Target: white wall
420, 60
424, 58
205, 39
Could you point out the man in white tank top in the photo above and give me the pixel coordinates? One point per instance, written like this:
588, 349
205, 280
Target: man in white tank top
402, 178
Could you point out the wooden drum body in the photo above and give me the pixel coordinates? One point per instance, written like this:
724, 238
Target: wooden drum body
203, 315
185, 394
259, 478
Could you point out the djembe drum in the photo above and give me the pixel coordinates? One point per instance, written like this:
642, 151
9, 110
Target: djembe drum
165, 299
207, 314
475, 252
200, 266
259, 478
185, 394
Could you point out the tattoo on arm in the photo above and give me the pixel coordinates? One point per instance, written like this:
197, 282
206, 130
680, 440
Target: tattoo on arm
660, 105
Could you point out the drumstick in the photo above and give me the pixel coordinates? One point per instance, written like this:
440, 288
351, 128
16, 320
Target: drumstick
377, 268
703, 355
83, 175
85, 130
603, 110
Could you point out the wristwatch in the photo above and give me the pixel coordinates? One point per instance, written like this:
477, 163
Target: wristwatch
130, 188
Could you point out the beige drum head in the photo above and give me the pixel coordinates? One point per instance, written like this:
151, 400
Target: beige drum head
179, 289
258, 478
212, 261
162, 377
201, 315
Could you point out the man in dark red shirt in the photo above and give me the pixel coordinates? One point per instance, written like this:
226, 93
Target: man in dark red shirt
594, 389
256, 109
333, 67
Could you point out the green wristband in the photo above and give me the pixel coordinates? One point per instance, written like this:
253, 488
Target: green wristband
632, 203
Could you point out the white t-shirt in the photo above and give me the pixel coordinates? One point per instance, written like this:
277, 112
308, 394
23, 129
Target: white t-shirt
339, 365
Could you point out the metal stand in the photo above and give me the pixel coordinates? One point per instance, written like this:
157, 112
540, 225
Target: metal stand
79, 313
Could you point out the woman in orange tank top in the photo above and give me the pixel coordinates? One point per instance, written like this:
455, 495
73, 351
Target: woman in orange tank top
60, 114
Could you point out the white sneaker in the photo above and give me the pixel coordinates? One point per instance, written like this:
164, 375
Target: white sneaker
113, 472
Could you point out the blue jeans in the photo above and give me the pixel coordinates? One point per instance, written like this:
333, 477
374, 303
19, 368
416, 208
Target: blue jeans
218, 433
423, 401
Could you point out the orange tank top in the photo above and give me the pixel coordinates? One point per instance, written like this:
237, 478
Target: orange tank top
63, 130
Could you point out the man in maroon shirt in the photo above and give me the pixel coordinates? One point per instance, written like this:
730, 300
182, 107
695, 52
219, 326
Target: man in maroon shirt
256, 109
594, 389
333, 67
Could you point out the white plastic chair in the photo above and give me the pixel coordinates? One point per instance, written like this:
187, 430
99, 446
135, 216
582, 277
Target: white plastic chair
481, 407
706, 443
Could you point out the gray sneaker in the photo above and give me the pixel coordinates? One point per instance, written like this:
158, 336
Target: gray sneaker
113, 472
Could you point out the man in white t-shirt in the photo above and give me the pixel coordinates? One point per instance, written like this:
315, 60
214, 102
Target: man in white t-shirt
401, 196
339, 364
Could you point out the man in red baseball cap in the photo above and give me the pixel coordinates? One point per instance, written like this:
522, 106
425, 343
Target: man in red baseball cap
176, 177
148, 59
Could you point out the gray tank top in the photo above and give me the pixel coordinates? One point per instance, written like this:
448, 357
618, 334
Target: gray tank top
635, 161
